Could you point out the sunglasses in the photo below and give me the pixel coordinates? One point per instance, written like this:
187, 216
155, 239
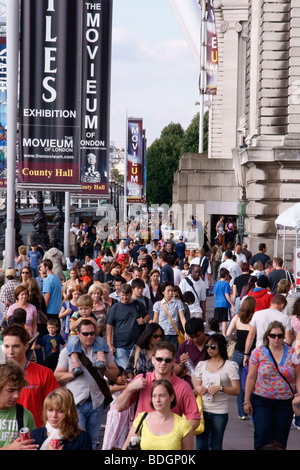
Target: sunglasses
167, 360
88, 333
274, 335
25, 272
211, 346
157, 336
104, 262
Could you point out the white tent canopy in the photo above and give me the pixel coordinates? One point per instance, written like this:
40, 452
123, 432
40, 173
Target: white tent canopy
288, 220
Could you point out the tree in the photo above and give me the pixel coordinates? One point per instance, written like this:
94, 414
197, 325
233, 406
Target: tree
162, 162
116, 175
164, 154
191, 136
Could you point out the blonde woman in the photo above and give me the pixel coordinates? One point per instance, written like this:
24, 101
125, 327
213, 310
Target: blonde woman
61, 423
22, 259
100, 307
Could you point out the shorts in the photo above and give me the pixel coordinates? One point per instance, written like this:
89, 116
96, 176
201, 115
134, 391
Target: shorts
221, 314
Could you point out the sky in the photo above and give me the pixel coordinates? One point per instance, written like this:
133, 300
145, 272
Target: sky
154, 75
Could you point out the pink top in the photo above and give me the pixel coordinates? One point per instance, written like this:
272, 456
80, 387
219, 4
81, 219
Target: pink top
185, 398
269, 383
31, 312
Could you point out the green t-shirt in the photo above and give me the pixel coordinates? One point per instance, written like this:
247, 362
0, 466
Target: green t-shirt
9, 426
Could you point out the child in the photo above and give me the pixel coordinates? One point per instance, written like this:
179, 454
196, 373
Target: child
19, 316
213, 326
85, 306
51, 344
117, 423
223, 302
69, 306
185, 269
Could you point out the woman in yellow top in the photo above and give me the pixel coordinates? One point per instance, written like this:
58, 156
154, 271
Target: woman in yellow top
162, 429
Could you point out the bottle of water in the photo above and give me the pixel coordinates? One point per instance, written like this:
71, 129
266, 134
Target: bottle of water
190, 366
209, 396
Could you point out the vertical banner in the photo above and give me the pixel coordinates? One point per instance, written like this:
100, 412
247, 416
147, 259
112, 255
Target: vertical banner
3, 110
211, 51
144, 165
135, 154
50, 76
96, 74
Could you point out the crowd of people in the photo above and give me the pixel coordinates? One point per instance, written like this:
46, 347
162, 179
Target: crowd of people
122, 325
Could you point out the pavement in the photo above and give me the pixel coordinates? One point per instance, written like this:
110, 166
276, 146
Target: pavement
239, 433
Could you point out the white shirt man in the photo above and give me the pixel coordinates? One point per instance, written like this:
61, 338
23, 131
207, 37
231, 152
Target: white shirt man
193, 283
232, 266
200, 260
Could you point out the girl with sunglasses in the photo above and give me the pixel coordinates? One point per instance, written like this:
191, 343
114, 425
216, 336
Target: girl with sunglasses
214, 380
25, 274
272, 382
140, 361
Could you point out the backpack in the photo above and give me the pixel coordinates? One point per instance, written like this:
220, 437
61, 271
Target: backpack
204, 263
219, 254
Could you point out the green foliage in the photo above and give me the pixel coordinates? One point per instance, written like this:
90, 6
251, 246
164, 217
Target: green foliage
116, 175
191, 136
164, 154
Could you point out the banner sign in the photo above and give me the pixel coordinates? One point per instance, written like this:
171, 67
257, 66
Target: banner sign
135, 154
96, 66
211, 51
64, 94
3, 111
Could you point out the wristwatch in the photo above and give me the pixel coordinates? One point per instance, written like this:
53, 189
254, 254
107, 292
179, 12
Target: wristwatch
222, 388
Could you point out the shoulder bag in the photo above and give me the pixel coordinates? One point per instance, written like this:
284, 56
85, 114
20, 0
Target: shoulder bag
180, 335
201, 427
134, 444
192, 285
98, 378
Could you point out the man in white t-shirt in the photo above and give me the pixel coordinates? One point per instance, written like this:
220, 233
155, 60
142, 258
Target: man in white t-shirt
261, 320
204, 262
233, 268
240, 257
193, 283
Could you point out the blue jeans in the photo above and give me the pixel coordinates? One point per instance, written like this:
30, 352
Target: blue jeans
74, 345
237, 305
238, 357
121, 356
212, 437
90, 420
172, 339
272, 420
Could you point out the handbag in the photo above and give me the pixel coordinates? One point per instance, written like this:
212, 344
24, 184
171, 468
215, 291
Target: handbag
180, 335
201, 427
230, 348
135, 441
98, 378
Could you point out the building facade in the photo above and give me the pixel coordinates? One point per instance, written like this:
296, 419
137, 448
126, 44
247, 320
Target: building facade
254, 121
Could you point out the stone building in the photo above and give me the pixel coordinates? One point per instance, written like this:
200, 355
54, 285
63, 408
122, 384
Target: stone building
252, 166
